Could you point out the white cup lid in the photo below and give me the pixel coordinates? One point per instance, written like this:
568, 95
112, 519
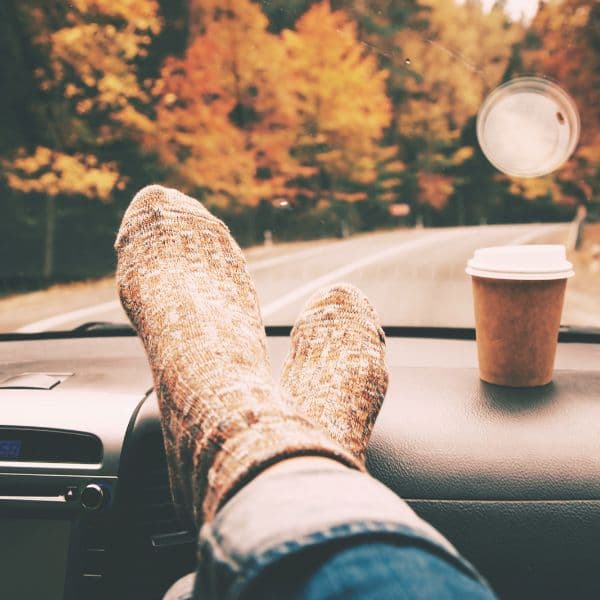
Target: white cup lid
528, 127
530, 262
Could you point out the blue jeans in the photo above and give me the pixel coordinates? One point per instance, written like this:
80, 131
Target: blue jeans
314, 529
370, 570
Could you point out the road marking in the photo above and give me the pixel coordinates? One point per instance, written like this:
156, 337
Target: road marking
336, 274
267, 263
63, 318
82, 313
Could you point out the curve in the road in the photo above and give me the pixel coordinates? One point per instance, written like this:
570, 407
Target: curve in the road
423, 239
395, 251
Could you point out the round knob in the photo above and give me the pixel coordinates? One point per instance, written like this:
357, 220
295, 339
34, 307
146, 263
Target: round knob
93, 497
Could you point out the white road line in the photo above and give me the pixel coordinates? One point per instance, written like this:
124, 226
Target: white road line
267, 263
82, 313
63, 318
336, 274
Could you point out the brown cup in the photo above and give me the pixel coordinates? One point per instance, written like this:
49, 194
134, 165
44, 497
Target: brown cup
517, 323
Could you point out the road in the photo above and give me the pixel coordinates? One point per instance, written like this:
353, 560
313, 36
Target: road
413, 277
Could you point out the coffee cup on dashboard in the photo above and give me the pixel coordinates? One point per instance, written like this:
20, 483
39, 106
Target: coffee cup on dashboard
518, 295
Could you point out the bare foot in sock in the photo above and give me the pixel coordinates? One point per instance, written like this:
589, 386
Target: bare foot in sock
184, 283
335, 373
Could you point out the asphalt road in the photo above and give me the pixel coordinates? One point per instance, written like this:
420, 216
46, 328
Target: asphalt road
413, 277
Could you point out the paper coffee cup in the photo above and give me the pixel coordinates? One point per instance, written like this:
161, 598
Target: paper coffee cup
518, 295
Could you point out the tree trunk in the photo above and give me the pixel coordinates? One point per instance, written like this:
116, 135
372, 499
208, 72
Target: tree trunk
48, 268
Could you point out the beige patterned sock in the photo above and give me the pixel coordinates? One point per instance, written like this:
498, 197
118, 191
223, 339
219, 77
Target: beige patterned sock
335, 373
184, 283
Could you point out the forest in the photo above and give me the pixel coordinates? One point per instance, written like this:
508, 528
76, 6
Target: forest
301, 118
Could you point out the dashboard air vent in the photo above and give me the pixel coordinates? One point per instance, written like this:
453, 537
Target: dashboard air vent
93, 561
165, 550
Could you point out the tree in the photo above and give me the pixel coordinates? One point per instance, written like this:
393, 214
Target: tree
249, 115
341, 102
88, 86
563, 45
450, 65
89, 95
225, 115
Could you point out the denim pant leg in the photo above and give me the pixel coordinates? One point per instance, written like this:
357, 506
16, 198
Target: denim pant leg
369, 569
297, 509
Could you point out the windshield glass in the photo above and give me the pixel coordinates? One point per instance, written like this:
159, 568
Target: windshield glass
340, 141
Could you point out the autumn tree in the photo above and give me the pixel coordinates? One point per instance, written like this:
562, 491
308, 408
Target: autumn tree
450, 65
91, 90
563, 44
247, 114
341, 102
89, 95
225, 116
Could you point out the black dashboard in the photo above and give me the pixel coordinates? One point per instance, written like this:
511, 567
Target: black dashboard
512, 477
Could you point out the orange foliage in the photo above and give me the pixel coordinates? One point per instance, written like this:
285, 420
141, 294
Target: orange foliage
435, 189
225, 117
459, 58
231, 111
569, 54
340, 94
91, 66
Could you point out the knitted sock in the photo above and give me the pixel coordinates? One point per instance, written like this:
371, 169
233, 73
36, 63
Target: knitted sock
184, 284
335, 373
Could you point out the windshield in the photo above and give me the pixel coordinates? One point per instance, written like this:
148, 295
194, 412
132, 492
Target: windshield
355, 141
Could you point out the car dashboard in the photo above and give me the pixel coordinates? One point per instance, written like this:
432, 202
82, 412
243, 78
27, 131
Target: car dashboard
510, 476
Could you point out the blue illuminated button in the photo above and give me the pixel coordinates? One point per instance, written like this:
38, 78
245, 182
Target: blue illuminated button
10, 448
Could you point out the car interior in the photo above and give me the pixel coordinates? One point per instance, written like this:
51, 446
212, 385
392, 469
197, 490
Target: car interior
510, 476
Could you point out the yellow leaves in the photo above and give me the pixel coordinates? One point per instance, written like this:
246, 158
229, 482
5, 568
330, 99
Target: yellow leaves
462, 155
566, 51
99, 42
30, 164
72, 90
84, 106
339, 91
102, 62
54, 173
590, 151
453, 63
135, 120
535, 187
350, 197
138, 14
230, 113
387, 184
395, 165
224, 111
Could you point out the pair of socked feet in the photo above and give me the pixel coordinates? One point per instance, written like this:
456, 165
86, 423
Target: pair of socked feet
184, 284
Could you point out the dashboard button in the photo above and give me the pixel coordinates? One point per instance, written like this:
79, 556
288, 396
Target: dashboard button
93, 497
71, 493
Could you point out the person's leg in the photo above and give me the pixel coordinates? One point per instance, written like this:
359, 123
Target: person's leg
335, 373
369, 570
184, 283
289, 526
